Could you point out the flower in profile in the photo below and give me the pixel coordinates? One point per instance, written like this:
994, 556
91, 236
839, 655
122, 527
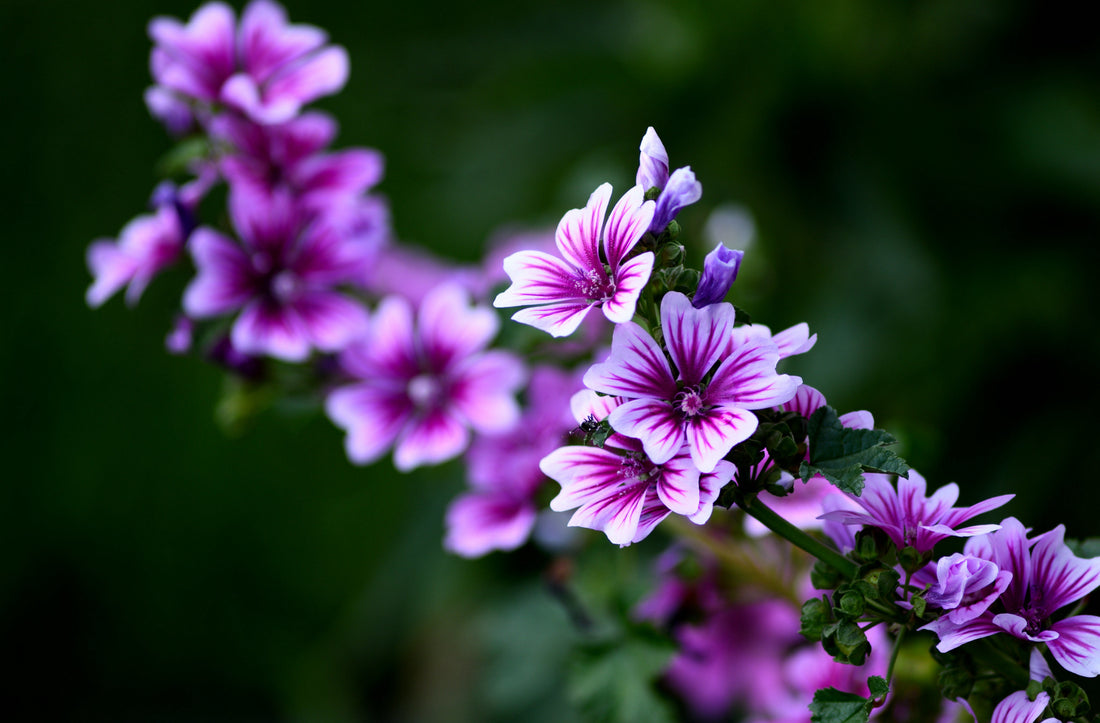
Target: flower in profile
677, 191
909, 517
1046, 576
266, 68
619, 489
146, 246
283, 279
664, 411
421, 385
565, 289
499, 512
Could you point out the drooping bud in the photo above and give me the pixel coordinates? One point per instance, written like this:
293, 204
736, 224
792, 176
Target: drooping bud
681, 190
719, 272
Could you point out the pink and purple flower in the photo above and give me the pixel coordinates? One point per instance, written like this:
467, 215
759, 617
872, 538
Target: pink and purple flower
420, 385
146, 246
282, 279
710, 413
265, 68
563, 290
619, 489
1045, 577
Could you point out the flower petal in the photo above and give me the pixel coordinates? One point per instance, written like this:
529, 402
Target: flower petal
332, 320
224, 281
578, 234
636, 368
1077, 648
712, 434
747, 378
480, 522
710, 485
372, 416
654, 423
1018, 708
952, 635
695, 337
1058, 576
678, 485
557, 320
537, 278
630, 279
268, 42
450, 329
629, 219
483, 390
272, 329
433, 436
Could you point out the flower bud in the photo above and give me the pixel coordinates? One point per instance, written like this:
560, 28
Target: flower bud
719, 272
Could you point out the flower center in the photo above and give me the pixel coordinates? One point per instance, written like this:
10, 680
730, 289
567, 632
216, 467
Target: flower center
283, 285
424, 390
634, 468
690, 402
594, 285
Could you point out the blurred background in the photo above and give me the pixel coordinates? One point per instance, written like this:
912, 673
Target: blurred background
925, 183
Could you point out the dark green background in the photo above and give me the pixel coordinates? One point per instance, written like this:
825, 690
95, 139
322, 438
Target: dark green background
925, 178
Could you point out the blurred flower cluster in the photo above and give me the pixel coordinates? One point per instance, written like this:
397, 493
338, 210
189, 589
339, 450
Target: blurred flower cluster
805, 557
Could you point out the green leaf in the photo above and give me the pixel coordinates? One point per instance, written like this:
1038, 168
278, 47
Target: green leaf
842, 455
878, 687
835, 706
615, 681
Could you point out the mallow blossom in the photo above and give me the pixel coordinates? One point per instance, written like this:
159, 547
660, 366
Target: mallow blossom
676, 191
283, 279
666, 410
266, 68
421, 383
911, 518
563, 290
1046, 577
619, 489
499, 511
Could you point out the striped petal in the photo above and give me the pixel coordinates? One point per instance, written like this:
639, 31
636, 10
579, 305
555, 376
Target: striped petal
629, 219
372, 416
654, 423
748, 378
1058, 576
1077, 648
712, 435
637, 367
435, 436
629, 280
678, 485
1018, 708
578, 234
537, 278
695, 337
557, 320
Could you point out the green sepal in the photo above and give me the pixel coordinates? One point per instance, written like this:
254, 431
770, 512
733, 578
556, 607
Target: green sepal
878, 687
816, 614
825, 577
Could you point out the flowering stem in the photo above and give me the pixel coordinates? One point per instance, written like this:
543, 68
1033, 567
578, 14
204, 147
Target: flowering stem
770, 519
894, 654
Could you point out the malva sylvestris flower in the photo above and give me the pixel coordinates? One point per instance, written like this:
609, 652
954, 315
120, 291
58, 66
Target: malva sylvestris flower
710, 413
421, 384
565, 289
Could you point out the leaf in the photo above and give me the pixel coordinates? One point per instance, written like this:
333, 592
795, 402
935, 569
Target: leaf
615, 681
878, 687
835, 706
842, 455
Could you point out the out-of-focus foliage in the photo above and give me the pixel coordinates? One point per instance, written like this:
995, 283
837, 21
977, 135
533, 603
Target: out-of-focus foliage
925, 181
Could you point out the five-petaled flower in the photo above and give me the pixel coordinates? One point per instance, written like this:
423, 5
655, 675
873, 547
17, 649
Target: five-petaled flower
1046, 576
566, 290
621, 490
711, 413
419, 386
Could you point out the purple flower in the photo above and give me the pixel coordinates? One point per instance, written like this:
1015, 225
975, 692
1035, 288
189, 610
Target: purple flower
622, 491
566, 290
1018, 708
266, 69
719, 272
1046, 576
499, 512
790, 342
909, 517
677, 191
665, 412
421, 386
965, 586
146, 246
282, 279
267, 159
180, 338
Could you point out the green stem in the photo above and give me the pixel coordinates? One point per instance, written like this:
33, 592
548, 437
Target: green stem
894, 654
770, 519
